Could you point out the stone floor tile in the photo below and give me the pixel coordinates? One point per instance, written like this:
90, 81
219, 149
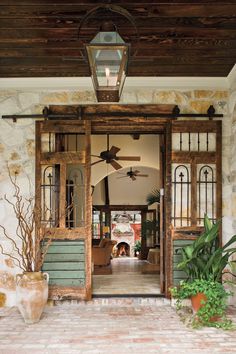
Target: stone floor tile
126, 326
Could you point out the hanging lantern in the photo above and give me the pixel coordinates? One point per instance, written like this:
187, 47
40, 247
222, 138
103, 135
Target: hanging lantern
108, 59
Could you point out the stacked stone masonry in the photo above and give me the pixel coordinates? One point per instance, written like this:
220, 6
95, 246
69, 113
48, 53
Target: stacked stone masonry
17, 146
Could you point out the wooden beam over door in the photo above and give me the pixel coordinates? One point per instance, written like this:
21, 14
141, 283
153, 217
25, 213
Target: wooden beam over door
112, 111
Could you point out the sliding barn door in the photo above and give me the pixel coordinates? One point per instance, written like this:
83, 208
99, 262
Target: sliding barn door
63, 196
193, 185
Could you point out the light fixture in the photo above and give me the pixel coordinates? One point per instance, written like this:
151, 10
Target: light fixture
108, 60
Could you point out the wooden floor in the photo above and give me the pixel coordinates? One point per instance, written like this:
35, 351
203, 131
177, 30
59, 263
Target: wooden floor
126, 279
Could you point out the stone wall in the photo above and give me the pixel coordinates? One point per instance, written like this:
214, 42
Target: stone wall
17, 144
232, 164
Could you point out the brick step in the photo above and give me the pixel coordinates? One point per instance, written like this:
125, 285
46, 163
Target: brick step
115, 301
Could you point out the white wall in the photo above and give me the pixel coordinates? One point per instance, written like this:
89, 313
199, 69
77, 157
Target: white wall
147, 147
124, 191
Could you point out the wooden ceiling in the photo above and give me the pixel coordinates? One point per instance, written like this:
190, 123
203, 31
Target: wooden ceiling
39, 38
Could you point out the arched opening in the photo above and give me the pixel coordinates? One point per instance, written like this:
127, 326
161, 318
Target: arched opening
123, 249
121, 213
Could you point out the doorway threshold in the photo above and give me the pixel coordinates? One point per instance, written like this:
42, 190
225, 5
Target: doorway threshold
98, 296
127, 300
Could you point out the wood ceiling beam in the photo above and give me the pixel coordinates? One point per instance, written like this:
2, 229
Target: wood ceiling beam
123, 2
158, 32
177, 9
49, 22
82, 62
176, 37
159, 54
146, 42
69, 71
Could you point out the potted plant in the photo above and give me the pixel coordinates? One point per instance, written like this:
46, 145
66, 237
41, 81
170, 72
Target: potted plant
208, 299
27, 253
137, 248
204, 261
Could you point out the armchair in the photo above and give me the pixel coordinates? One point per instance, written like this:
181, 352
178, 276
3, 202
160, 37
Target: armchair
101, 255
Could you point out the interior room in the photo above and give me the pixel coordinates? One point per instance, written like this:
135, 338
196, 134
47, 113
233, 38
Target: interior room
122, 215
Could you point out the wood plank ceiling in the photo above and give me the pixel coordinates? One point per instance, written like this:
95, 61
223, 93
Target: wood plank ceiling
39, 38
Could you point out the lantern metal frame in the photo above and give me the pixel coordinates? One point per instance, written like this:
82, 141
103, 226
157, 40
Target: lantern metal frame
108, 93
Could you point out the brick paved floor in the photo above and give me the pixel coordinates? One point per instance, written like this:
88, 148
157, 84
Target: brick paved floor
111, 326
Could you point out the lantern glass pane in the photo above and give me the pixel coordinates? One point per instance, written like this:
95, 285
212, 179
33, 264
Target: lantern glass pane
107, 63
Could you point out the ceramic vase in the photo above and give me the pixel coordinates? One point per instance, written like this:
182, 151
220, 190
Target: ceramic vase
31, 295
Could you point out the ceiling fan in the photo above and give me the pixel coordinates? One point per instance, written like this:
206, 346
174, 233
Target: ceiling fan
133, 174
109, 156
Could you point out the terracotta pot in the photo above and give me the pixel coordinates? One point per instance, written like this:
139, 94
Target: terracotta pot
197, 300
31, 295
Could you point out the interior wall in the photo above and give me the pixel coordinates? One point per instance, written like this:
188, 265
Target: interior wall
147, 147
17, 147
124, 191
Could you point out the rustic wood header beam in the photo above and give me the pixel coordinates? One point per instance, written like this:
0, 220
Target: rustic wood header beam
88, 113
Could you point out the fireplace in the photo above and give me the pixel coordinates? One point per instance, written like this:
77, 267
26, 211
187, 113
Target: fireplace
125, 230
123, 249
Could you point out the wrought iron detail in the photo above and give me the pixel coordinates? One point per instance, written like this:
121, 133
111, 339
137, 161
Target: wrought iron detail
50, 195
206, 193
75, 198
181, 196
188, 141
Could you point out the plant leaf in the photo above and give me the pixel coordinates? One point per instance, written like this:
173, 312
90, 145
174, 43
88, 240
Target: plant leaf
153, 197
232, 240
207, 223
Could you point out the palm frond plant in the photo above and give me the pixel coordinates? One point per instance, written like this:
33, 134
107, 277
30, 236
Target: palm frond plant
204, 262
204, 259
153, 197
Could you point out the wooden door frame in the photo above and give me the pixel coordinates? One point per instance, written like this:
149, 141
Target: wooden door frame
140, 119
164, 128
61, 232
136, 119
193, 158
130, 119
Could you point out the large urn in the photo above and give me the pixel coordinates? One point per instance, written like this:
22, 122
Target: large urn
31, 295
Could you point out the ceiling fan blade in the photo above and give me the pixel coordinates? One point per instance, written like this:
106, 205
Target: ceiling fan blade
122, 177
142, 175
136, 172
115, 165
94, 163
128, 158
96, 156
114, 150
133, 178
